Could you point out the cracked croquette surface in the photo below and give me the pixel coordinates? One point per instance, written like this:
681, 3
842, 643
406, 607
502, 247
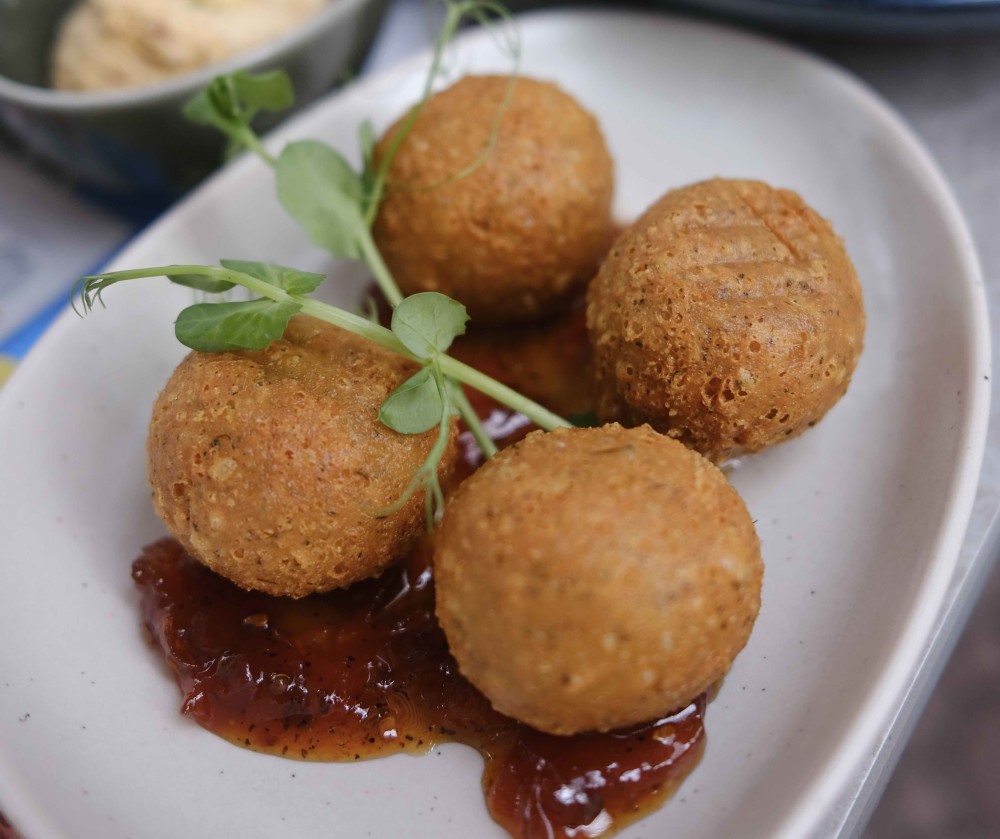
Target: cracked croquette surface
729, 316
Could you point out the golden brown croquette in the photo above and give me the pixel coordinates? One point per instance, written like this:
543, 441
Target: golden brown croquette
269, 466
729, 316
589, 579
517, 236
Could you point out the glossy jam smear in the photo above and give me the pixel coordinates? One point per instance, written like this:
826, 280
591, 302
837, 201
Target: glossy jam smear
366, 672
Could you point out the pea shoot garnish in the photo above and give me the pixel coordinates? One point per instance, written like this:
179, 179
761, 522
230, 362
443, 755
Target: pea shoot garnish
335, 206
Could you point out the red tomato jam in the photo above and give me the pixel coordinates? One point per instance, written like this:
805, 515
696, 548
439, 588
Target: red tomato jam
366, 672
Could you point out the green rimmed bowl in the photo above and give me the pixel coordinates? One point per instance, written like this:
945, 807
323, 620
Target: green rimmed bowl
136, 141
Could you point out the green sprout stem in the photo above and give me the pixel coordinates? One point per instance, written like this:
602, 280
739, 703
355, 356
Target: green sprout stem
373, 258
451, 367
453, 16
248, 137
470, 376
426, 477
434, 498
359, 325
475, 425
455, 12
380, 271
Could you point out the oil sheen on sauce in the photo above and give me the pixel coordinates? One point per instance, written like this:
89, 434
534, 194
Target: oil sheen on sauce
365, 672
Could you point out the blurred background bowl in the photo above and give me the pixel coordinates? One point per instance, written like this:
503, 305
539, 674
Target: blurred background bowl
135, 141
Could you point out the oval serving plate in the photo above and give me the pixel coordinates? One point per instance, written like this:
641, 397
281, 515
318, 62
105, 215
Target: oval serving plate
861, 519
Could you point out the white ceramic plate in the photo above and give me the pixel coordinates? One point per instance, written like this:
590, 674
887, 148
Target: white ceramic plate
861, 519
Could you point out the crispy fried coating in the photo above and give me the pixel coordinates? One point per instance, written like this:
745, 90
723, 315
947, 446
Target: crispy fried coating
269, 465
514, 238
589, 579
729, 316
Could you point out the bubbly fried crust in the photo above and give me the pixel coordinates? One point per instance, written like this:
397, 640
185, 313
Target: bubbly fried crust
728, 316
269, 465
589, 579
514, 238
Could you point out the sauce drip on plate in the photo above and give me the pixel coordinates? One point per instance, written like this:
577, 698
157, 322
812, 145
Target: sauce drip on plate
366, 672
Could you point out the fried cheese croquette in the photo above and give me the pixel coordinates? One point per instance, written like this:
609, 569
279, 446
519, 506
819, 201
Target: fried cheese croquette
270, 466
590, 579
516, 236
729, 316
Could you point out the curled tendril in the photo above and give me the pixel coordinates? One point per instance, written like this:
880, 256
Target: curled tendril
507, 37
88, 291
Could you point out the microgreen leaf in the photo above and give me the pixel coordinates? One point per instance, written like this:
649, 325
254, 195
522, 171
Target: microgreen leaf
202, 110
234, 100
213, 285
290, 279
415, 406
271, 91
428, 322
231, 102
426, 477
455, 396
217, 327
321, 191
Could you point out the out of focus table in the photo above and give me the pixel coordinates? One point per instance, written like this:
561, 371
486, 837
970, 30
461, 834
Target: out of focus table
945, 786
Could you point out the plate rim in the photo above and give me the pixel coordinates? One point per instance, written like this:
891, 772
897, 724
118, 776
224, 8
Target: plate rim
888, 692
